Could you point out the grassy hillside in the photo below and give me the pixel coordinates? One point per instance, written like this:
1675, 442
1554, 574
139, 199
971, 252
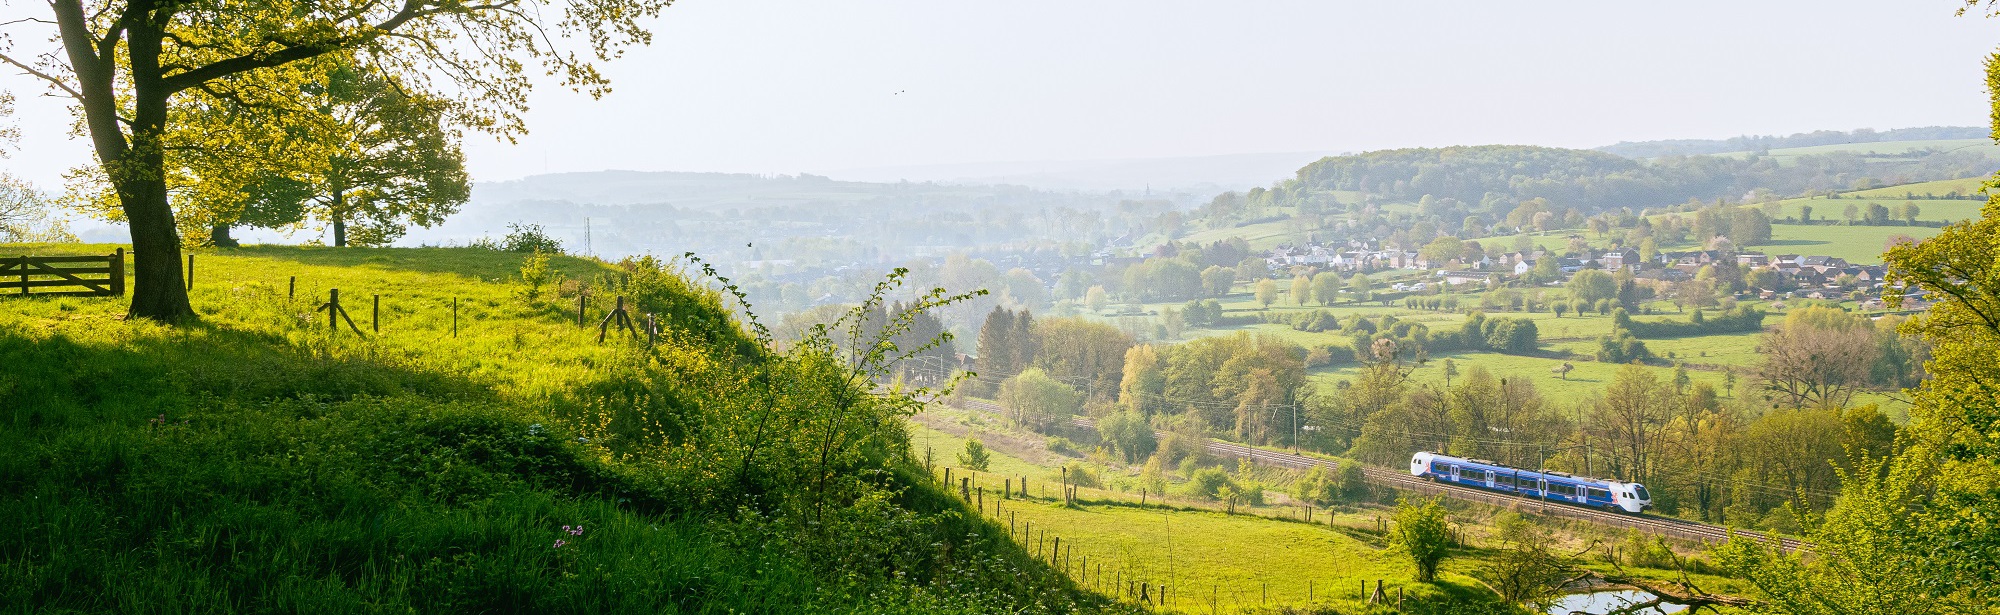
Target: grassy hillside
260, 462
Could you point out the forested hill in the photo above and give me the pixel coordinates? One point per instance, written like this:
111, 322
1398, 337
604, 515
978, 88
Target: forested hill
1690, 147
1594, 181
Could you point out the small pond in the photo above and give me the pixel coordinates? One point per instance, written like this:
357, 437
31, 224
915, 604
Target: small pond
1605, 601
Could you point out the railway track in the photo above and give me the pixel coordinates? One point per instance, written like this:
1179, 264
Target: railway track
1679, 529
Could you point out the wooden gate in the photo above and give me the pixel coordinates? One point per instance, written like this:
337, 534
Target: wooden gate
90, 276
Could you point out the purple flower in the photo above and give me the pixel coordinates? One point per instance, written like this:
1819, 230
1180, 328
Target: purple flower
575, 532
560, 543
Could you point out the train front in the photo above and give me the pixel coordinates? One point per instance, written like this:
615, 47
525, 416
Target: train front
1631, 497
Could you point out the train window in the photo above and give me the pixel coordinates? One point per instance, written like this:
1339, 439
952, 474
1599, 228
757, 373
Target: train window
1641, 489
1471, 474
1503, 481
1600, 493
1560, 489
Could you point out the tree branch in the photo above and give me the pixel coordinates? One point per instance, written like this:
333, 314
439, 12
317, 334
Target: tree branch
44, 76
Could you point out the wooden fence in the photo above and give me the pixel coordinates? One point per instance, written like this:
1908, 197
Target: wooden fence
92, 276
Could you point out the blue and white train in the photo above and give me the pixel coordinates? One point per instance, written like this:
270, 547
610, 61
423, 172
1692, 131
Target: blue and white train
1552, 486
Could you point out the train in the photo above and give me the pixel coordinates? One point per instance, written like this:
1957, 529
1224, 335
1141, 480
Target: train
1545, 485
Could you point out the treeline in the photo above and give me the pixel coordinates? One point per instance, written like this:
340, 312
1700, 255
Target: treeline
1498, 176
1690, 147
1742, 319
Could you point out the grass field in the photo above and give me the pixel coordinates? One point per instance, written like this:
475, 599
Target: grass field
1262, 235
1861, 245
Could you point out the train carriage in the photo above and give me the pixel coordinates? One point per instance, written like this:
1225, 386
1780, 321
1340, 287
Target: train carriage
1546, 485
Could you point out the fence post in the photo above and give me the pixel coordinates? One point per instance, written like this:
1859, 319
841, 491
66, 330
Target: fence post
291, 287
454, 316
118, 273
333, 310
190, 280
24, 275
375, 319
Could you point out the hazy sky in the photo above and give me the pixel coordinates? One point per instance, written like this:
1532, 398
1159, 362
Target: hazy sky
814, 85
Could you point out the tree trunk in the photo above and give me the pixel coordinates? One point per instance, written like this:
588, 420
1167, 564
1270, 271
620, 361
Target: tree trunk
218, 235
339, 217
135, 167
158, 291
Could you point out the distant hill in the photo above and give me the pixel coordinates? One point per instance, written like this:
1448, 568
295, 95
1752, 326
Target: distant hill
1690, 147
1201, 175
1493, 177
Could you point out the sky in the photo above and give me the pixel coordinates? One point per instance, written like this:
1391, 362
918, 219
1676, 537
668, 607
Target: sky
766, 86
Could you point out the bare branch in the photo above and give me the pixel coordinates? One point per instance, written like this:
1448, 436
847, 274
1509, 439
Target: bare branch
58, 83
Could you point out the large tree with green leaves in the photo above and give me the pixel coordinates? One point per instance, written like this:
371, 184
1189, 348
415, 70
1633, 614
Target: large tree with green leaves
385, 158
127, 62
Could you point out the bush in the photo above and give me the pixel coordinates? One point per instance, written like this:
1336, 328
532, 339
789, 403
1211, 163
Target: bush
1129, 432
974, 457
1081, 474
530, 238
1622, 347
1743, 319
1422, 532
1206, 483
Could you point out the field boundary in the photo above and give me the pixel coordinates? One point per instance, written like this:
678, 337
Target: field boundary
25, 273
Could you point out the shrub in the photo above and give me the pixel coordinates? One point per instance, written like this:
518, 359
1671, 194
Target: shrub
1622, 347
974, 457
1423, 533
1206, 482
530, 238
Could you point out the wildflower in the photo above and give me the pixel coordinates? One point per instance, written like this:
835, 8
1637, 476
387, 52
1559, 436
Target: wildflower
575, 532
560, 543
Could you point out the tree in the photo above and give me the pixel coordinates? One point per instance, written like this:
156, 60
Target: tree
1301, 290
25, 215
974, 457
1559, 307
1590, 286
126, 63
1421, 532
1267, 292
1129, 431
1749, 227
1629, 416
1036, 401
1877, 215
1442, 250
1084, 352
1360, 286
1143, 381
1850, 212
1909, 213
997, 355
1217, 280
1326, 287
1096, 299
1805, 214
1819, 357
387, 160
